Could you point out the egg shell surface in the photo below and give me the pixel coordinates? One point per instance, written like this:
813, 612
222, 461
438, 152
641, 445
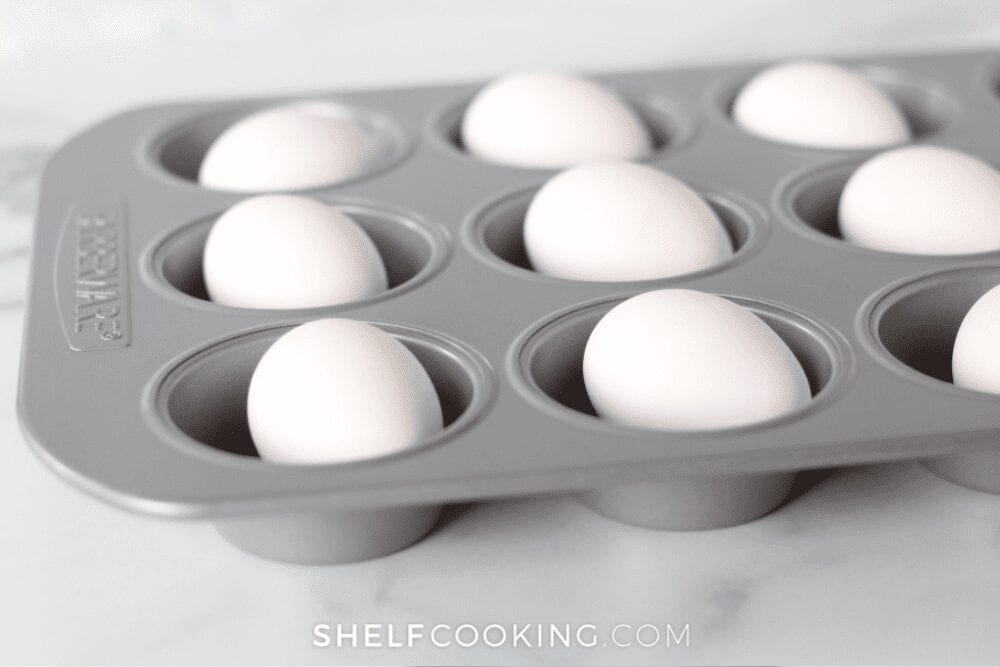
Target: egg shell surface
291, 147
548, 120
287, 251
620, 221
922, 200
821, 105
679, 359
338, 390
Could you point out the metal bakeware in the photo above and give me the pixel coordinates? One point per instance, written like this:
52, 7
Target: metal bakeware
133, 385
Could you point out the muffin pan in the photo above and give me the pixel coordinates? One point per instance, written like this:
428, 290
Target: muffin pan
133, 385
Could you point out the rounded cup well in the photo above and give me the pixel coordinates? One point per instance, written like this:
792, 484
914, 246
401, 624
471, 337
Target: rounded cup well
204, 398
496, 232
552, 361
813, 199
553, 355
915, 323
205, 395
811, 202
412, 249
667, 129
180, 151
914, 326
926, 106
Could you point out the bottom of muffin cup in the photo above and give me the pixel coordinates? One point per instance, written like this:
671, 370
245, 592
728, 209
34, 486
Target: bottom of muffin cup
330, 537
979, 471
692, 502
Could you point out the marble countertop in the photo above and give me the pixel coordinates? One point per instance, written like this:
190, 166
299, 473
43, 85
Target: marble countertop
883, 564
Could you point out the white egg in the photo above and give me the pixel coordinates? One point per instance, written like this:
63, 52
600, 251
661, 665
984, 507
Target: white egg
685, 360
613, 221
290, 147
338, 390
923, 200
975, 360
547, 120
286, 251
821, 105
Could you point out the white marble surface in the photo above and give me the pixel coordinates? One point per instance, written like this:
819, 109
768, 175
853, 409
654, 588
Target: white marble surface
879, 565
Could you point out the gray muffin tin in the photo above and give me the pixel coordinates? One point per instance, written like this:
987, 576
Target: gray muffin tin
133, 385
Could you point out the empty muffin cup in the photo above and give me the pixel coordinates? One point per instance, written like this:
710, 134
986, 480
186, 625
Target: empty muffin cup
551, 362
204, 397
916, 324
